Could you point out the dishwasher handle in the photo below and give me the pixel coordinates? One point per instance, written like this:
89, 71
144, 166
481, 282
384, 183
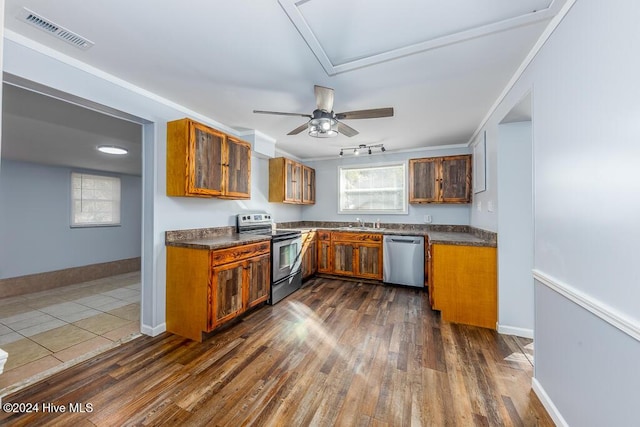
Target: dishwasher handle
413, 241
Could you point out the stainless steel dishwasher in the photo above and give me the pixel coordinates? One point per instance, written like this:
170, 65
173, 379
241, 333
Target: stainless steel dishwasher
403, 260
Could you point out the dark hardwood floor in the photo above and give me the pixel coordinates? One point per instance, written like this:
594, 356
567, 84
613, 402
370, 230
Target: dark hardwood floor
334, 353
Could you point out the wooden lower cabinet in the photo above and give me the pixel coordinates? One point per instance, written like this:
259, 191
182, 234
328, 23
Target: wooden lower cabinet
206, 288
344, 258
259, 280
227, 281
369, 262
463, 284
324, 252
309, 254
357, 255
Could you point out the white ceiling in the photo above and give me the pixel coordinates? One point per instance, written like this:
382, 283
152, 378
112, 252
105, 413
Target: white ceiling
42, 129
441, 65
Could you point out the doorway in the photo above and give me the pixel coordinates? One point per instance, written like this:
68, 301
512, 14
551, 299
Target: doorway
69, 293
515, 221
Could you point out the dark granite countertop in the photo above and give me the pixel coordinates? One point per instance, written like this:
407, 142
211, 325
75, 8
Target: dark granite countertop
447, 235
226, 237
210, 238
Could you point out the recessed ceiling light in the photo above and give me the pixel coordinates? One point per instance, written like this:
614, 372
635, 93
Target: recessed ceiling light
112, 149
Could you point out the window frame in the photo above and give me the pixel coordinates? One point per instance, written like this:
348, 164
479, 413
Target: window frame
72, 200
405, 207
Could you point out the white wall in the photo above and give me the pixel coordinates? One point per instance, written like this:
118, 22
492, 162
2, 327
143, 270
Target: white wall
326, 207
515, 222
35, 222
586, 137
481, 214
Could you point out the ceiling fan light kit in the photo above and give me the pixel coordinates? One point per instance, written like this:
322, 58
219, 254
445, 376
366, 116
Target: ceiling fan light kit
324, 123
323, 126
362, 147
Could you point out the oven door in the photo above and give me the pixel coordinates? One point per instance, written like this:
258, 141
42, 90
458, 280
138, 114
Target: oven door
285, 255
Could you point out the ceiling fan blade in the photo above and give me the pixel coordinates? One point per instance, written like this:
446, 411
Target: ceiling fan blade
366, 114
346, 130
282, 114
324, 98
298, 129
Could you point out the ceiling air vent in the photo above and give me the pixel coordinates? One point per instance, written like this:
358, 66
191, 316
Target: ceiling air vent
55, 30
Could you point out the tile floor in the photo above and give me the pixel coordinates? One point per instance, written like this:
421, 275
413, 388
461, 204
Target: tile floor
47, 331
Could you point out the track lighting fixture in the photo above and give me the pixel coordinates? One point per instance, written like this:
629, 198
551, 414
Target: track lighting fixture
360, 148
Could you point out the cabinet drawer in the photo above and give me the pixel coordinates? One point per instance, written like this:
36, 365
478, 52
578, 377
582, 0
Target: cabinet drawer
356, 237
237, 253
324, 235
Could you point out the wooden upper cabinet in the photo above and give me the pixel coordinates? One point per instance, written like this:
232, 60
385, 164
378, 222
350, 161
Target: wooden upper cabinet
456, 179
238, 169
290, 182
204, 162
424, 180
440, 179
308, 185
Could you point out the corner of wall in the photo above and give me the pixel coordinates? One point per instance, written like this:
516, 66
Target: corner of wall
548, 403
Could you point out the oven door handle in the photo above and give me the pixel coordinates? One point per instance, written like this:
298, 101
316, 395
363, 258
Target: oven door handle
277, 239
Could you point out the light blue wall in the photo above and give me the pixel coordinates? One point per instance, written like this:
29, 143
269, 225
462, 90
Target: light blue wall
326, 207
35, 216
515, 222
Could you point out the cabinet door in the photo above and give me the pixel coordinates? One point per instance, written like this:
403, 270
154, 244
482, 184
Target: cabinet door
456, 179
238, 169
369, 257
258, 280
343, 258
226, 284
313, 256
308, 185
429, 275
424, 184
309, 258
324, 257
293, 181
205, 161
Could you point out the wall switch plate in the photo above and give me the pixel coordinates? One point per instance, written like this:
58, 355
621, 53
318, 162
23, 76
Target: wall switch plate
490, 206
479, 205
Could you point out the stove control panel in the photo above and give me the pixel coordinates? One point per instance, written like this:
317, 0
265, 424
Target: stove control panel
253, 219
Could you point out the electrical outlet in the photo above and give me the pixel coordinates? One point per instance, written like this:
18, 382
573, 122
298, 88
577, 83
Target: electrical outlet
490, 206
479, 205
427, 219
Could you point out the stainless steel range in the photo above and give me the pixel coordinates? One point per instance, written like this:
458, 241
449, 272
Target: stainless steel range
286, 253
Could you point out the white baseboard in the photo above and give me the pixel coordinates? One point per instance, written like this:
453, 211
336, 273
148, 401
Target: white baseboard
548, 403
148, 330
514, 330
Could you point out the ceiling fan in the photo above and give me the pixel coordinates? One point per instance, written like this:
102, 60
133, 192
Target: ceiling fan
323, 122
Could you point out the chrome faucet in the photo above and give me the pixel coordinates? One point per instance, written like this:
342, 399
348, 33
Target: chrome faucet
360, 222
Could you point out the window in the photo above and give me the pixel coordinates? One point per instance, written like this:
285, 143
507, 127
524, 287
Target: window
95, 200
373, 189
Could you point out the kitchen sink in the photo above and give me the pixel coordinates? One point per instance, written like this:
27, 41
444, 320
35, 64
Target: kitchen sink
361, 228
